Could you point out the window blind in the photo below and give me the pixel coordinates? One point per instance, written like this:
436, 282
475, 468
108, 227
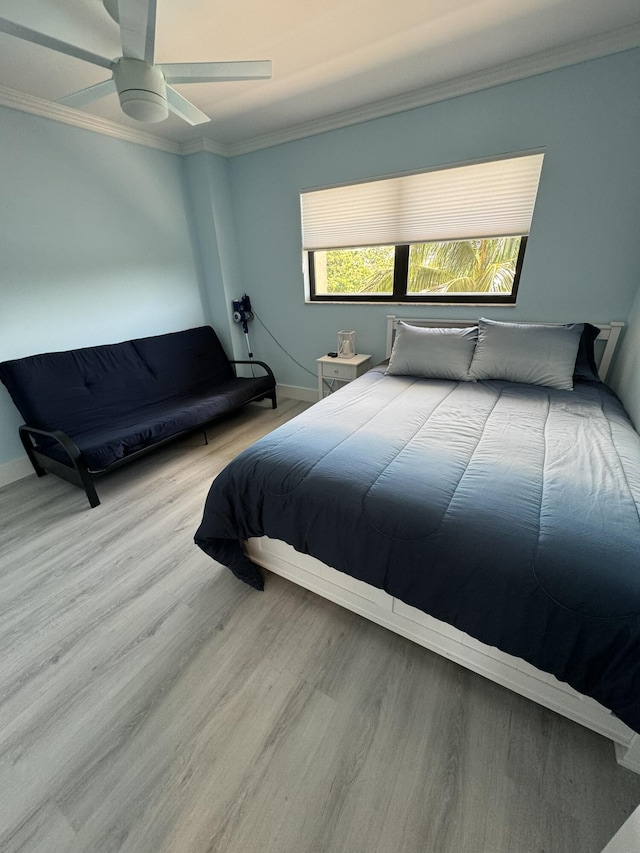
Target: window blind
481, 200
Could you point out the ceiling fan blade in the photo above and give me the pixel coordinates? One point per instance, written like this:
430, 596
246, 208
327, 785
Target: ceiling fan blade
137, 20
211, 72
92, 93
184, 108
27, 34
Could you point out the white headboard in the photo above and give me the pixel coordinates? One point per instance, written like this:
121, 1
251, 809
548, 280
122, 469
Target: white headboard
609, 333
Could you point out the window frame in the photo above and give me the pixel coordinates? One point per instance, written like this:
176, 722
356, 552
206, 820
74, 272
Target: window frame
401, 280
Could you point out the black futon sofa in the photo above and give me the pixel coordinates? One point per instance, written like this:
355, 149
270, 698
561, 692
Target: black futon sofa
90, 410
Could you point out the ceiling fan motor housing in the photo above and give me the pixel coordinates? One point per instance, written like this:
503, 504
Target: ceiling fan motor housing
141, 89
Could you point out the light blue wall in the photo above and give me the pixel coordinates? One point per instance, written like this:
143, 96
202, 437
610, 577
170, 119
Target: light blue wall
625, 378
94, 242
581, 261
213, 224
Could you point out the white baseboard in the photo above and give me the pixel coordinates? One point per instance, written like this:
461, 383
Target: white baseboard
14, 470
295, 392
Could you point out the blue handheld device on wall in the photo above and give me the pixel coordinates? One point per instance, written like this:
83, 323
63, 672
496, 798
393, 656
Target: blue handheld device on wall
242, 313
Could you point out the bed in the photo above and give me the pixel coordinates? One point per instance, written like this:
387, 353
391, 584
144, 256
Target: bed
481, 502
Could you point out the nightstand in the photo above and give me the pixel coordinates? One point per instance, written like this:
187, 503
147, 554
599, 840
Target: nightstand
340, 370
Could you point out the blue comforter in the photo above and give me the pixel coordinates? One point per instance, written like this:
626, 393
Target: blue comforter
509, 511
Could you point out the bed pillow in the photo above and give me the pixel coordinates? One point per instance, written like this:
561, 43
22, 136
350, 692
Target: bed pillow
432, 353
586, 367
532, 353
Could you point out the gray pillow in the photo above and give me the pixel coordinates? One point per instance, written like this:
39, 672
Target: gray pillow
432, 353
521, 352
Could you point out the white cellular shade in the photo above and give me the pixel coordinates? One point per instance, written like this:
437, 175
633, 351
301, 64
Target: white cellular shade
493, 199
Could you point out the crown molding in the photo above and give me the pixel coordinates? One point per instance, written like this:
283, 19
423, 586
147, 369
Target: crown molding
76, 118
196, 146
595, 47
508, 72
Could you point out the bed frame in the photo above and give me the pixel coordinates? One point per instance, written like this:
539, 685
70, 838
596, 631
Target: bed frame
439, 637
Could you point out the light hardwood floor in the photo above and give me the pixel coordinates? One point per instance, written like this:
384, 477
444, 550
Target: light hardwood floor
152, 703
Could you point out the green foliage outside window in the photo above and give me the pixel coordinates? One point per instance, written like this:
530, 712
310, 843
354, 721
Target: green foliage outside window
465, 267
472, 266
367, 270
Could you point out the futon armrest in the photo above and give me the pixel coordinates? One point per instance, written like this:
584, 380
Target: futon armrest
70, 447
76, 472
261, 363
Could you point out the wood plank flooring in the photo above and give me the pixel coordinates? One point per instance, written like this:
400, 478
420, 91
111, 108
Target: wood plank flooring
152, 703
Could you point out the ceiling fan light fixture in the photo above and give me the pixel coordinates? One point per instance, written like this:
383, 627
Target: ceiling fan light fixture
142, 90
144, 106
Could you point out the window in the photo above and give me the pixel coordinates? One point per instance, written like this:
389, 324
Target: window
451, 235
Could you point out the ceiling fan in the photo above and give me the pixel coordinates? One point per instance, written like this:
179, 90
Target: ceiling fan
143, 88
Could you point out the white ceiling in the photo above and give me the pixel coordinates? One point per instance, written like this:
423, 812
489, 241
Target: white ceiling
330, 57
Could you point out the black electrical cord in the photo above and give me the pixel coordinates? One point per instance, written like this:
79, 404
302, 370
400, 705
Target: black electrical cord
315, 375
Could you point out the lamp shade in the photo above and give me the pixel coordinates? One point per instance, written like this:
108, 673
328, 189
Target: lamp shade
346, 344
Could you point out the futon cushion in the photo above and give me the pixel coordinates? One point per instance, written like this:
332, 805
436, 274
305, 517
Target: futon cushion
103, 444
180, 362
84, 389
70, 390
